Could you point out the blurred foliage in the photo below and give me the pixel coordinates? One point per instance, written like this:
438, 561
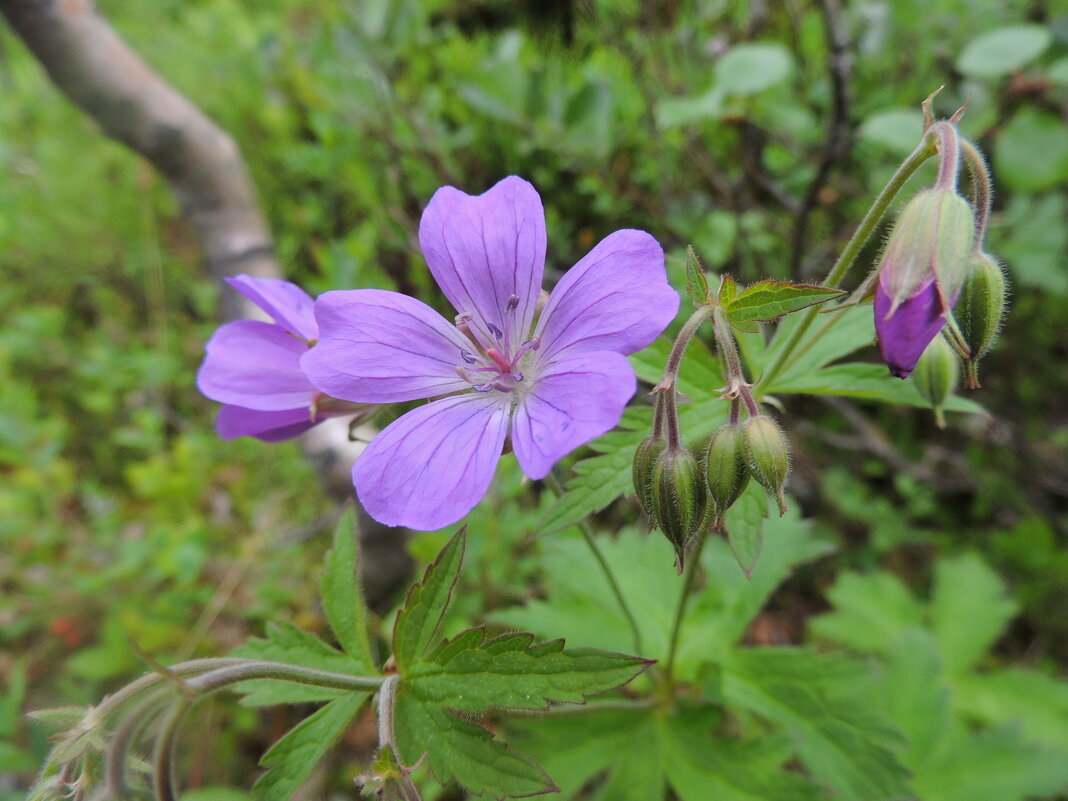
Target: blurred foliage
123, 518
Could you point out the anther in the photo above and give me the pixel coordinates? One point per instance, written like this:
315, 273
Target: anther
497, 333
512, 304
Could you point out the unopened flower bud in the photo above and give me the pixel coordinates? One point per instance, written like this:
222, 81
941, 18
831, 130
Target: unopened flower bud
980, 309
678, 497
931, 239
726, 468
768, 456
936, 376
642, 470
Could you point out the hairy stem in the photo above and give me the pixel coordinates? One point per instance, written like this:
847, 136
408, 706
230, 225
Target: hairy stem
553, 483
693, 564
849, 254
982, 195
166, 747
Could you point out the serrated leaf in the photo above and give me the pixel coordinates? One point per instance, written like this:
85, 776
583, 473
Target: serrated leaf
286, 643
744, 525
969, 609
696, 280
916, 695
340, 589
420, 619
291, 760
821, 702
574, 748
513, 671
701, 765
870, 612
770, 300
1035, 703
996, 764
458, 750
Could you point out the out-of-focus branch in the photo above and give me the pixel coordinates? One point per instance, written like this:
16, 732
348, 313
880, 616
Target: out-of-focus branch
102, 75
839, 68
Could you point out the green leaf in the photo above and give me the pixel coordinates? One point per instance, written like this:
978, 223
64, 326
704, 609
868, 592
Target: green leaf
1031, 151
870, 612
1001, 51
672, 112
575, 748
866, 382
767, 301
60, 718
916, 695
420, 619
1031, 232
728, 288
696, 280
969, 609
474, 674
996, 764
822, 703
456, 749
701, 765
745, 526
291, 760
1036, 703
747, 69
286, 643
342, 599
897, 129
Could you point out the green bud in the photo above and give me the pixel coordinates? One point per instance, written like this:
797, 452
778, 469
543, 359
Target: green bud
932, 238
725, 468
768, 455
642, 470
980, 309
936, 375
678, 497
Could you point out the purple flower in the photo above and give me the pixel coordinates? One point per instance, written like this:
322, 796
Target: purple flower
254, 367
549, 387
920, 275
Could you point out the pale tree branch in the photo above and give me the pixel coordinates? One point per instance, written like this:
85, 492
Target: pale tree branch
103, 76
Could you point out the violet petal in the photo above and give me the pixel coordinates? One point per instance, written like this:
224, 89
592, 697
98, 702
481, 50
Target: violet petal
576, 398
616, 298
287, 304
255, 365
905, 335
377, 346
235, 421
430, 467
482, 249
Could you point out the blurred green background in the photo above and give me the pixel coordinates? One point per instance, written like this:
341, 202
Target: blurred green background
123, 517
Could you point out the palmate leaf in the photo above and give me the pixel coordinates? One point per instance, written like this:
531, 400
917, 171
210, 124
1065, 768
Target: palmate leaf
291, 760
468, 753
442, 687
820, 701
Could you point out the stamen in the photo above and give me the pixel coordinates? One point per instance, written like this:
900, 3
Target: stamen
512, 304
497, 333
531, 344
468, 357
462, 324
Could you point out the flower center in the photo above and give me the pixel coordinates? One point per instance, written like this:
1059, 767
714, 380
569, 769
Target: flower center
494, 364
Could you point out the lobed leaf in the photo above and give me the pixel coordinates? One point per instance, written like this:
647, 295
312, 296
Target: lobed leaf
770, 300
475, 674
342, 599
420, 618
286, 643
458, 750
291, 760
